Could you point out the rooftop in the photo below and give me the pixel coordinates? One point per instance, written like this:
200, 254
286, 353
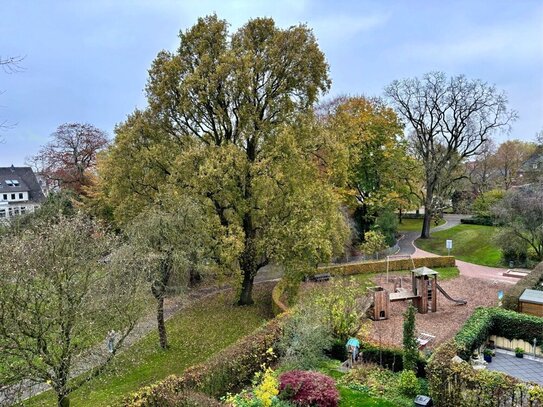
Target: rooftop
532, 296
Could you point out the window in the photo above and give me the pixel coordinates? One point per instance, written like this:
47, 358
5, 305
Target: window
20, 195
15, 182
9, 183
2, 213
12, 196
23, 210
5, 197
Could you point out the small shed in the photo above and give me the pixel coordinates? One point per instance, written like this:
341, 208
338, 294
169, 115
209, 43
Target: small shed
531, 302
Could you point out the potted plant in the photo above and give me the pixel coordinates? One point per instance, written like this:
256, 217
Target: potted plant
487, 355
519, 352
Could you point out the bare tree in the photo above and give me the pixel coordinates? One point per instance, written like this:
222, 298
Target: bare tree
58, 299
451, 118
9, 65
70, 156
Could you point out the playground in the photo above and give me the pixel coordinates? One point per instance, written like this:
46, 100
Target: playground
448, 316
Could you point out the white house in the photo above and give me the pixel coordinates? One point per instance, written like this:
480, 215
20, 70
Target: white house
20, 191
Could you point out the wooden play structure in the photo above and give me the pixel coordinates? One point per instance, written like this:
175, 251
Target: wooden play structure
423, 293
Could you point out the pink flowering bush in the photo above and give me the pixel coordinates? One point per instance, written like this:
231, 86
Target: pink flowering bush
305, 388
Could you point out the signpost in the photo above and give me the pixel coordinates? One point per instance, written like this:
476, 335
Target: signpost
448, 245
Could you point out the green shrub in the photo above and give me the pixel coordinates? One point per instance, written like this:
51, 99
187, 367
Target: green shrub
305, 337
496, 321
341, 309
458, 384
513, 293
410, 346
482, 206
389, 358
408, 383
478, 220
387, 224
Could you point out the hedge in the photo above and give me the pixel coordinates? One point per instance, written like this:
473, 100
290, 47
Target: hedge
496, 321
381, 265
512, 294
412, 215
390, 358
226, 371
452, 384
278, 306
478, 220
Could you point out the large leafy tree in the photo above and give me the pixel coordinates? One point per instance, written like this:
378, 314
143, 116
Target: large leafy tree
451, 118
374, 161
228, 123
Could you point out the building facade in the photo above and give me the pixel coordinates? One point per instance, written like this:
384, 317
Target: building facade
20, 191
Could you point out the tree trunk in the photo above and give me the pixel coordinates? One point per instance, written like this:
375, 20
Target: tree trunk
63, 400
425, 234
160, 322
400, 218
246, 296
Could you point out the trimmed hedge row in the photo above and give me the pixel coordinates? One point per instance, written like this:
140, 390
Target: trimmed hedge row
226, 371
512, 294
452, 384
278, 306
390, 358
478, 220
381, 265
496, 321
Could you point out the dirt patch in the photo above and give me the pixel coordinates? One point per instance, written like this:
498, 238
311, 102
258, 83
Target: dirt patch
448, 319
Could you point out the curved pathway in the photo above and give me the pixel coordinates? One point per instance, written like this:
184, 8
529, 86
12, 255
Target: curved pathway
407, 247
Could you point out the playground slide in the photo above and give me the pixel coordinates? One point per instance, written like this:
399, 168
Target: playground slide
447, 296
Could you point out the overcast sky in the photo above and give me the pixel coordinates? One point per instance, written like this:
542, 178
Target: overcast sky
87, 61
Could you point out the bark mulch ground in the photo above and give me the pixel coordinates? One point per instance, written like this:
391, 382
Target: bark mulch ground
448, 319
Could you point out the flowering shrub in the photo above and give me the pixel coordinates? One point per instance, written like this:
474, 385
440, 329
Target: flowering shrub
267, 389
305, 388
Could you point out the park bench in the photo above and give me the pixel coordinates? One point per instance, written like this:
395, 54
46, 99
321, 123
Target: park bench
321, 277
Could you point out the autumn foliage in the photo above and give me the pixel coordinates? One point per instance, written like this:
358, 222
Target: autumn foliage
306, 388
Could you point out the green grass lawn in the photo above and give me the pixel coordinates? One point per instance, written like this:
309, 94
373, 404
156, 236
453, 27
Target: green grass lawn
414, 225
366, 280
350, 397
353, 398
204, 328
471, 243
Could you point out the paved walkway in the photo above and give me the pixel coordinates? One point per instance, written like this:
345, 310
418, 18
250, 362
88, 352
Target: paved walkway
525, 369
406, 242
